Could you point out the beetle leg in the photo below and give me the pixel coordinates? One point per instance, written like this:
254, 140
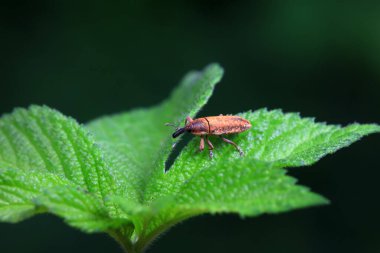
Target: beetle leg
234, 144
210, 147
202, 144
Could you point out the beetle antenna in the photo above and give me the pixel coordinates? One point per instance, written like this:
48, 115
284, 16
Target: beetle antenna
172, 125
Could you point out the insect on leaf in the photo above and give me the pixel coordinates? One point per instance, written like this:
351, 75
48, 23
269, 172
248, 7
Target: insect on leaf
109, 175
138, 143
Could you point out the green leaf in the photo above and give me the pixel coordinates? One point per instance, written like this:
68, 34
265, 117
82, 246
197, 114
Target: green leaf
112, 178
25, 194
244, 187
80, 209
41, 149
138, 143
290, 141
253, 184
42, 139
18, 190
277, 139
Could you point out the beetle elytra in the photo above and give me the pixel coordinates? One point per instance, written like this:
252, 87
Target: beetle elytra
214, 125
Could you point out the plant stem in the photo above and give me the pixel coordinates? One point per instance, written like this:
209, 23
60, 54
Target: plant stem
143, 242
124, 242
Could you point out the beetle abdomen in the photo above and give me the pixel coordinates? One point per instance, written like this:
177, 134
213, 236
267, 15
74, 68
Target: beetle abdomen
227, 124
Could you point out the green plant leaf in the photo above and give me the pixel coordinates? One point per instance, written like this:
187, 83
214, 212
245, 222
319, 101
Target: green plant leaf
80, 209
112, 178
18, 190
42, 150
42, 139
255, 183
278, 139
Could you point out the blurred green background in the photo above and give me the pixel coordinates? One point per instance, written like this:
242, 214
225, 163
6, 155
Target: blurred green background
318, 57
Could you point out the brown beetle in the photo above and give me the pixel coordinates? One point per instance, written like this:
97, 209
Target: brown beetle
214, 125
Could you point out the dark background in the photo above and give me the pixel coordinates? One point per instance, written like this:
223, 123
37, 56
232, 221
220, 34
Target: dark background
318, 57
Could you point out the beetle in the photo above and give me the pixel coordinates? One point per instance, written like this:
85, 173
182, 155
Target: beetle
214, 125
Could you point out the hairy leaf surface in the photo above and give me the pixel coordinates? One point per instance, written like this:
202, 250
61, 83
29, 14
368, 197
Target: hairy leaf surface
109, 176
41, 149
